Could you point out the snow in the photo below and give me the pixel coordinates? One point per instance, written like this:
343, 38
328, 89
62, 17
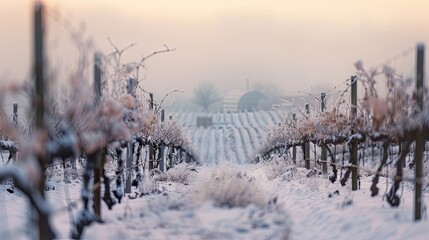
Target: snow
289, 206
238, 136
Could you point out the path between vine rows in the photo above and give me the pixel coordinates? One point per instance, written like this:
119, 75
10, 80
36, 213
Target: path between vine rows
303, 210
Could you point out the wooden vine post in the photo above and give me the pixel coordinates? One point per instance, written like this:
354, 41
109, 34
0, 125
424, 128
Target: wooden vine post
170, 148
180, 155
131, 86
44, 230
15, 114
151, 101
162, 116
354, 147
294, 147
151, 158
420, 141
162, 147
130, 154
39, 99
15, 122
98, 164
323, 154
307, 142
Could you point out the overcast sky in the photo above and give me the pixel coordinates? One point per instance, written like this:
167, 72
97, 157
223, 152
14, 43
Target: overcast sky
293, 44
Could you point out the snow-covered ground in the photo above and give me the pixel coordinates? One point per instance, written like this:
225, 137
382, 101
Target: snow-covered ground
227, 201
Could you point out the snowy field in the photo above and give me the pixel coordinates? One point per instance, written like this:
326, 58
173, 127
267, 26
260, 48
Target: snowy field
272, 200
233, 136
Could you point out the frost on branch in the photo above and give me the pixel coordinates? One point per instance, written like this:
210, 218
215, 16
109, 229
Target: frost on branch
393, 118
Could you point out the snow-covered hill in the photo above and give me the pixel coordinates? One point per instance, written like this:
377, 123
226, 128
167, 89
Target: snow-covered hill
232, 136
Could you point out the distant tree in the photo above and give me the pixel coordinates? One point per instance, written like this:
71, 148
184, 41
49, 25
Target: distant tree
267, 89
205, 95
271, 93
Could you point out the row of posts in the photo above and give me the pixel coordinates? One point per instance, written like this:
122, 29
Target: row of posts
323, 157
306, 144
39, 102
420, 141
130, 145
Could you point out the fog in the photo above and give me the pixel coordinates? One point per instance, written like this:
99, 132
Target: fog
292, 45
